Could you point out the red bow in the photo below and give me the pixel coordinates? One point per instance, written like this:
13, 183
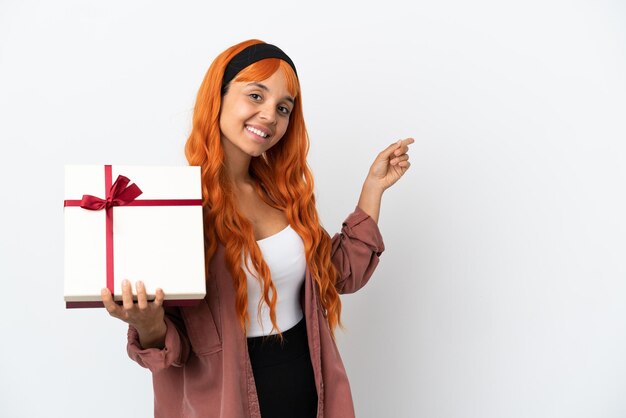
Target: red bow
120, 194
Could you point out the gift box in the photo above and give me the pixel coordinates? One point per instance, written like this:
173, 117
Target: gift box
137, 223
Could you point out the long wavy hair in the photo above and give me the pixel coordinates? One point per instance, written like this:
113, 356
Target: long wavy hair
283, 180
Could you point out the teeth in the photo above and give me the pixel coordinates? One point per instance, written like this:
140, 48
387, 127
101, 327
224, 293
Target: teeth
256, 131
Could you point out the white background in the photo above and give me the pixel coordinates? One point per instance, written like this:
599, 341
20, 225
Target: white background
502, 292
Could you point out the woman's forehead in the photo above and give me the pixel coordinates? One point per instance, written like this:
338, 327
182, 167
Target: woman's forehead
275, 84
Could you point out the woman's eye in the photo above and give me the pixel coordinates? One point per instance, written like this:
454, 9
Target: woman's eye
255, 96
283, 109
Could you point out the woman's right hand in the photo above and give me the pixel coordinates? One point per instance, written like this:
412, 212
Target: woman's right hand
146, 317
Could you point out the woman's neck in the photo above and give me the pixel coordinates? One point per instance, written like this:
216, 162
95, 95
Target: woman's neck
237, 165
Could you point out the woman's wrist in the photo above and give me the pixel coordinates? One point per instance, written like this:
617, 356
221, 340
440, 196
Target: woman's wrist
370, 199
153, 338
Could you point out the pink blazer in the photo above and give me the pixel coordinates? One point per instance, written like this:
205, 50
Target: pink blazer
204, 370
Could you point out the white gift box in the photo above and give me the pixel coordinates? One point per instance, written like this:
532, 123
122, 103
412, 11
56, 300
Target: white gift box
156, 237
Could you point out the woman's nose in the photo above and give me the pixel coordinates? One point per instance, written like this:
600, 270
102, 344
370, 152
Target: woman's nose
268, 113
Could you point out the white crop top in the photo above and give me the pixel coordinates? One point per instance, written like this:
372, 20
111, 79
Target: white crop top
284, 254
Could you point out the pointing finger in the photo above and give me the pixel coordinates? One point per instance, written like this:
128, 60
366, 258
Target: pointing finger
387, 152
404, 146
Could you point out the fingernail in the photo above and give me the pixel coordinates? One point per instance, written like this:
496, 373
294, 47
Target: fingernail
139, 283
124, 282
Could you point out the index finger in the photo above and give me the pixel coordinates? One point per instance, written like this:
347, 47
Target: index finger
408, 141
403, 146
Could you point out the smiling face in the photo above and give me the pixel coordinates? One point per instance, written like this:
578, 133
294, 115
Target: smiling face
255, 115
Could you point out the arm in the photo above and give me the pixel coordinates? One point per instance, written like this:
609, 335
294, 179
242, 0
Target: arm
357, 248
370, 199
156, 335
173, 352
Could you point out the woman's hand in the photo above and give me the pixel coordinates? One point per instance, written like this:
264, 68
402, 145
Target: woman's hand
146, 317
390, 164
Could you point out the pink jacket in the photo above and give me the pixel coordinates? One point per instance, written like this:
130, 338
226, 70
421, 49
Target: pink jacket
204, 370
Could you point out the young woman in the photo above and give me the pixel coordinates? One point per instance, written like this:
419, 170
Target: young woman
261, 344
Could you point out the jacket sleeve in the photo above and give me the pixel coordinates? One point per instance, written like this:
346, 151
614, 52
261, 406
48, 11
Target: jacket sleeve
175, 352
356, 250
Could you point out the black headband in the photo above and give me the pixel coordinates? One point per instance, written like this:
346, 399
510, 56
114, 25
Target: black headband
252, 54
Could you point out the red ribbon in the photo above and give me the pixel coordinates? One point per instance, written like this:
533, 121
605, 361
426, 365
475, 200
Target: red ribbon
120, 194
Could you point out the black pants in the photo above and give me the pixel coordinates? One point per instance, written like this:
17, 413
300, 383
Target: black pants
283, 374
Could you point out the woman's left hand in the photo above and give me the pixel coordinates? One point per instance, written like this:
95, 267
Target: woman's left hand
390, 164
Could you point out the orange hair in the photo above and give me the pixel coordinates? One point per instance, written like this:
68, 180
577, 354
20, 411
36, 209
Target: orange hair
283, 180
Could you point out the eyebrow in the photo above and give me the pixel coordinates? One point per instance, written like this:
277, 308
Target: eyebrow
264, 87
